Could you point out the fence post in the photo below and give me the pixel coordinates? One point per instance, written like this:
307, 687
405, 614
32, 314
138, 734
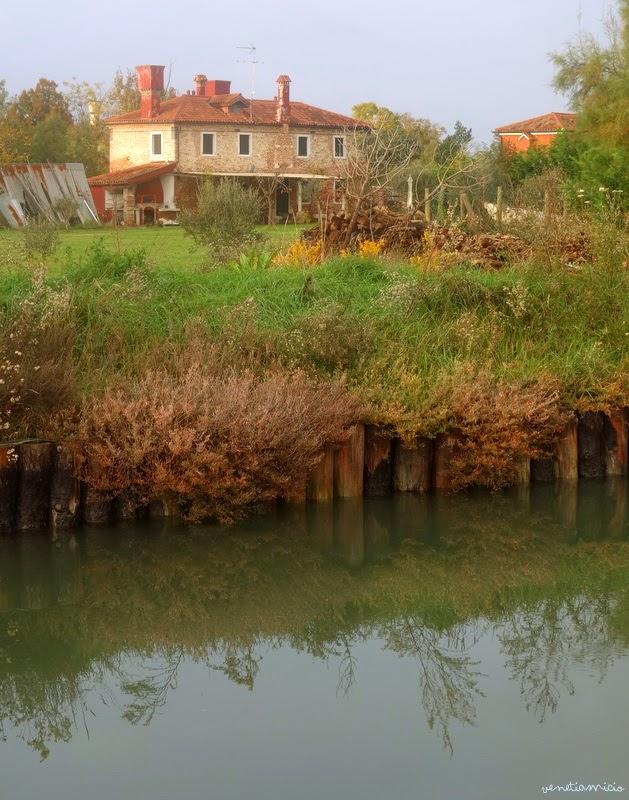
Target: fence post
499, 206
409, 192
427, 203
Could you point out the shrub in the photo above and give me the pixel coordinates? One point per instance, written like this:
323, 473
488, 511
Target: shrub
218, 440
37, 373
497, 425
225, 217
41, 239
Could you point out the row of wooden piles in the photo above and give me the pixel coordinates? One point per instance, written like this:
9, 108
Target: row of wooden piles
39, 487
371, 463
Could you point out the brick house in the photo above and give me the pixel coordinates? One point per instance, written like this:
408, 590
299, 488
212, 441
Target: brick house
518, 137
159, 152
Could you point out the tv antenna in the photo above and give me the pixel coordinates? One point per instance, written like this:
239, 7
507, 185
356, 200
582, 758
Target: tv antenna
253, 61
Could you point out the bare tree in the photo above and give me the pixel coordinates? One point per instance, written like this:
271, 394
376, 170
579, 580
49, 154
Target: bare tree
375, 159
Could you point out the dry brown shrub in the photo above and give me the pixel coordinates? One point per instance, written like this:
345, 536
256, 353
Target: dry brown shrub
495, 426
218, 440
37, 372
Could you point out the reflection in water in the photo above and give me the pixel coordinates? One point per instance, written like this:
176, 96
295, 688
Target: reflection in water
110, 617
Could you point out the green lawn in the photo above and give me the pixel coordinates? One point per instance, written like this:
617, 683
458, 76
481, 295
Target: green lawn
164, 247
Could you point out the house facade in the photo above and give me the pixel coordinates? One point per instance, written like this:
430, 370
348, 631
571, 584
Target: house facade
291, 151
518, 137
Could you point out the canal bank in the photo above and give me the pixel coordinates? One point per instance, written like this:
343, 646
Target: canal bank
40, 484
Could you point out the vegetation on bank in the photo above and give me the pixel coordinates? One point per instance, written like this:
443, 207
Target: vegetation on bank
164, 372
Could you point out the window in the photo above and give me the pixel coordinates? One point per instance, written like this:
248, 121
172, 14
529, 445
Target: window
339, 147
156, 144
244, 144
303, 146
208, 144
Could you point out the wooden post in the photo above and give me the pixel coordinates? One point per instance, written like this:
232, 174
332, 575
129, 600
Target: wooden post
9, 472
441, 203
33, 498
349, 465
96, 502
320, 486
427, 209
591, 449
567, 454
499, 206
349, 534
296, 497
522, 472
165, 506
126, 509
378, 478
412, 466
543, 470
444, 449
615, 442
409, 192
65, 488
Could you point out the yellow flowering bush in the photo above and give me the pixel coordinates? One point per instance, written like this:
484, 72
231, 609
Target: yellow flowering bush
298, 254
370, 248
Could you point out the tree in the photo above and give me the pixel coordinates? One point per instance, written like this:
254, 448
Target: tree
595, 76
23, 115
124, 95
225, 217
422, 134
34, 105
376, 157
50, 140
454, 143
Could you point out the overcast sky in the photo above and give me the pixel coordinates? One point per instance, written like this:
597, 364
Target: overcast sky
484, 62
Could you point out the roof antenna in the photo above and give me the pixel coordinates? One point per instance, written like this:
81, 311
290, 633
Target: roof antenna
253, 60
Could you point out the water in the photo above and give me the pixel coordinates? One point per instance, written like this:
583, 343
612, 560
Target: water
473, 647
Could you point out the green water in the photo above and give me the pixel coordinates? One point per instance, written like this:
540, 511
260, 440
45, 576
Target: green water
472, 647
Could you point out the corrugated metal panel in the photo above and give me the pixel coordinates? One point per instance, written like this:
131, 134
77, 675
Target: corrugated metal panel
28, 190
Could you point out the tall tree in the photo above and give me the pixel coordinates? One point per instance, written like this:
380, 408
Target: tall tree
595, 76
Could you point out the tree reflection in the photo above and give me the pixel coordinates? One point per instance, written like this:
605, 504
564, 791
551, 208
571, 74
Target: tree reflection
543, 644
447, 676
110, 618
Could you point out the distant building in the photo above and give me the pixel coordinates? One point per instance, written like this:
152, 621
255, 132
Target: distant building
518, 137
159, 151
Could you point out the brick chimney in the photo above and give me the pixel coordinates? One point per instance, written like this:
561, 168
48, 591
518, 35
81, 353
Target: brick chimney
282, 107
199, 84
151, 86
213, 88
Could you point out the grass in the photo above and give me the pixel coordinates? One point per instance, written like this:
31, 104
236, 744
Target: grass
164, 247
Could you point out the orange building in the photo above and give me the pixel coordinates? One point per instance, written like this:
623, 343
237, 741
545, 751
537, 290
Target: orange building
535, 132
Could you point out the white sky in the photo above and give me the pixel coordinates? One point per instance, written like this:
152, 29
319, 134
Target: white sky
484, 62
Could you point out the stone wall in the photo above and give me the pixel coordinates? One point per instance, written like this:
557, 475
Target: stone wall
274, 149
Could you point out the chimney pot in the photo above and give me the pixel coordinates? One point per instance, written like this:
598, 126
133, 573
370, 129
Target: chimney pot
199, 84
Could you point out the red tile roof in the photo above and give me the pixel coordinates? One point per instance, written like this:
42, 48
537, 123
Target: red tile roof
141, 173
209, 110
546, 123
